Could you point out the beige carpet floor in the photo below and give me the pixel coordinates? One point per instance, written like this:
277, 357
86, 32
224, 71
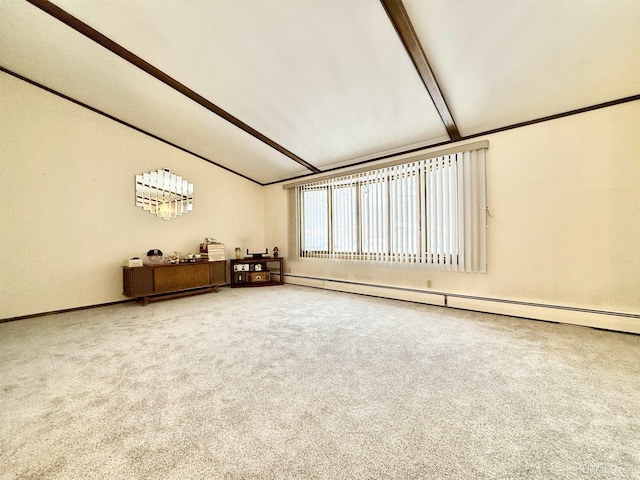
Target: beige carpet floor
293, 382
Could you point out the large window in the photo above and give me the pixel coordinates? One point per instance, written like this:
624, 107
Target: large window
430, 211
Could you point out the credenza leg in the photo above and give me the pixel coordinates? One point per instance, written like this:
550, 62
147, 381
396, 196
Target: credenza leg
185, 293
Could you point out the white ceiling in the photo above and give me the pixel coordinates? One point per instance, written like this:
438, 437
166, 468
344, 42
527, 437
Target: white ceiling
330, 81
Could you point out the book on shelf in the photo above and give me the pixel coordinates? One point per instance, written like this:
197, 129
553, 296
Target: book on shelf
215, 251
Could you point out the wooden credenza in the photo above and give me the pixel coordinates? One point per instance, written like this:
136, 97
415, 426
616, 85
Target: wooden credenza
160, 282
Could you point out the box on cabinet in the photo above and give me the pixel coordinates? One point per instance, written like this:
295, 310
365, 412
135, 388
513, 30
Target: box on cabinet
257, 277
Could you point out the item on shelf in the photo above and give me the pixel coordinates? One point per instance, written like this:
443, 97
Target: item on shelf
204, 245
154, 257
215, 251
173, 259
257, 255
190, 258
135, 262
257, 277
238, 252
275, 252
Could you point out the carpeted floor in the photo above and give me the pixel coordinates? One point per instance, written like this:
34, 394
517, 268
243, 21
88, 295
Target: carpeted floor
292, 382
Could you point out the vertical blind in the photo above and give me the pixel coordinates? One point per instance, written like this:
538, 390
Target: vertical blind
430, 211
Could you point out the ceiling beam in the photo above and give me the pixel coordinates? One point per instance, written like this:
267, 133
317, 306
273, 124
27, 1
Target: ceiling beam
130, 57
400, 20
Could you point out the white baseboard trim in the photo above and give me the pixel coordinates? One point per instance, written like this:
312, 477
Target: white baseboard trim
384, 291
617, 321
586, 318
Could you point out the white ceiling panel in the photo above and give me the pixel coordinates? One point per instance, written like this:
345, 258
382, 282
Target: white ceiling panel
329, 81
41, 48
502, 62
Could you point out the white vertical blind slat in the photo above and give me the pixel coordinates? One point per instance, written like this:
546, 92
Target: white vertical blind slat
446, 234
352, 223
303, 234
401, 227
358, 213
467, 214
433, 246
333, 219
372, 207
482, 209
380, 219
383, 201
385, 217
409, 219
439, 212
422, 190
311, 222
375, 207
303, 240
321, 222
453, 181
473, 200
394, 229
404, 218
413, 212
461, 214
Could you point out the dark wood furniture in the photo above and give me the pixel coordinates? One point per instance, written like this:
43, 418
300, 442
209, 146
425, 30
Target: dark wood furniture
256, 272
160, 282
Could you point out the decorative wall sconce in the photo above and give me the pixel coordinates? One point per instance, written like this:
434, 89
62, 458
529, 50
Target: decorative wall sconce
164, 194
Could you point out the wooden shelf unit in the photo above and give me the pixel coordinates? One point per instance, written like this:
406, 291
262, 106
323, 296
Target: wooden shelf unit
160, 282
270, 272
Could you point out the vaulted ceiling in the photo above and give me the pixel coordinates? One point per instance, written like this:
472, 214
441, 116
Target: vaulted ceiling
279, 89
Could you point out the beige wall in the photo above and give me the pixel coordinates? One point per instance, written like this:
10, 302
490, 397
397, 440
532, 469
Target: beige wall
564, 197
69, 219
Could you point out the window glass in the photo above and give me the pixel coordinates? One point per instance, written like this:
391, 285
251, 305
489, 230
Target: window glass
315, 227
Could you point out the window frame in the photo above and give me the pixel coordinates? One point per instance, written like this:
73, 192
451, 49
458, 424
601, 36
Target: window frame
394, 202
470, 212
